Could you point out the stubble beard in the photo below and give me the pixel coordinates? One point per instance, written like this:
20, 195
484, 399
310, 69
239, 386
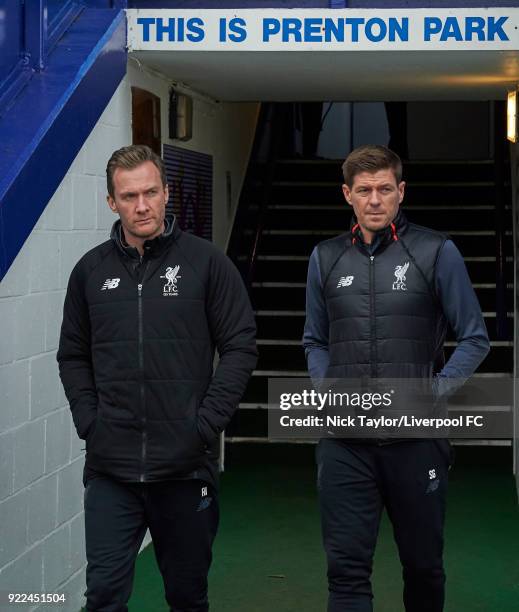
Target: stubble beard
146, 234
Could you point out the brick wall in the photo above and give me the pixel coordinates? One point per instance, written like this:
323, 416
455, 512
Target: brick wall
41, 458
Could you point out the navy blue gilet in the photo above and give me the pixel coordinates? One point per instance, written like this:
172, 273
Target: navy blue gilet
385, 320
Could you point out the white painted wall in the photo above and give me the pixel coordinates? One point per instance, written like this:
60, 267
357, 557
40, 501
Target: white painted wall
514, 167
41, 458
224, 130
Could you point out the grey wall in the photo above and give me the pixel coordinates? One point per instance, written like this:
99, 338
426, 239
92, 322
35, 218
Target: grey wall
41, 458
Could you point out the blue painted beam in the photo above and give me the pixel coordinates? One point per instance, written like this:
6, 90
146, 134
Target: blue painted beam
105, 3
230, 4
281, 4
59, 20
44, 130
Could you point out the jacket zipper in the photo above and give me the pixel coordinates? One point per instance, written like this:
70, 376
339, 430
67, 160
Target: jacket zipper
373, 329
142, 476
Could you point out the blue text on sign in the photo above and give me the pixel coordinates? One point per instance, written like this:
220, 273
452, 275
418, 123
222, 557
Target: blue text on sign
470, 28
314, 29
172, 29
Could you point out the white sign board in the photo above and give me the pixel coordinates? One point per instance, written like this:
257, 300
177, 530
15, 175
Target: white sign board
490, 29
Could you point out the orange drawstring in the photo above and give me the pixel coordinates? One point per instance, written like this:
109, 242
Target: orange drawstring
353, 230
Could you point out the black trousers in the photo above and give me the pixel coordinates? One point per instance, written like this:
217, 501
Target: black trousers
355, 482
182, 516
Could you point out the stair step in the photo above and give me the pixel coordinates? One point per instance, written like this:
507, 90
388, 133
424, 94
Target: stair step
301, 313
280, 326
295, 267
290, 284
267, 440
277, 356
340, 218
282, 342
302, 242
252, 424
304, 374
309, 192
327, 233
305, 258
339, 207
257, 389
456, 170
478, 407
291, 296
409, 184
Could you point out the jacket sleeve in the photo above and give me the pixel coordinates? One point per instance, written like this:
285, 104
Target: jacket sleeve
233, 329
315, 336
74, 355
463, 312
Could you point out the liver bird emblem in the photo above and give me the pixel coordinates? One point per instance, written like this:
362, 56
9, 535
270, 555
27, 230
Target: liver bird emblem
400, 272
171, 275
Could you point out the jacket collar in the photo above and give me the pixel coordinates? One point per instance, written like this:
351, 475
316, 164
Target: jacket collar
153, 247
386, 235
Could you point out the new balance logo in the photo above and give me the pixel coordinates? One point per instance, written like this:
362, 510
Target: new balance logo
432, 486
345, 281
110, 283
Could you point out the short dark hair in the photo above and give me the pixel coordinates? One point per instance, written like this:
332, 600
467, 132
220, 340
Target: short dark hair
371, 158
129, 158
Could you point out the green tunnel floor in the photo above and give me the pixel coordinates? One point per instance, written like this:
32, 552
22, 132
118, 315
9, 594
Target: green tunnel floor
268, 555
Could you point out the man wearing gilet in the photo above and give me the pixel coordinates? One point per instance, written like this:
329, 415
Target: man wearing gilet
370, 328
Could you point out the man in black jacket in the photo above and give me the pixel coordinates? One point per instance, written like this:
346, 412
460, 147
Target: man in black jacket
143, 315
379, 299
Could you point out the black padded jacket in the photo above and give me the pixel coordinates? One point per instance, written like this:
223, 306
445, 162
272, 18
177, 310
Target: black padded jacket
136, 354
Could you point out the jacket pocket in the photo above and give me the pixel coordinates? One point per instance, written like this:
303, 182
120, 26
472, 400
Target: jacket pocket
174, 447
114, 446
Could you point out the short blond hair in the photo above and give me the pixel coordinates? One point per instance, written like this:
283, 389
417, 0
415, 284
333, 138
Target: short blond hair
129, 158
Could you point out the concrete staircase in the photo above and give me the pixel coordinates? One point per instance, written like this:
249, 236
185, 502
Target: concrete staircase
307, 206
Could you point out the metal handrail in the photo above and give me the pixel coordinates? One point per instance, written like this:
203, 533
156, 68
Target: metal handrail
263, 157
237, 245
277, 118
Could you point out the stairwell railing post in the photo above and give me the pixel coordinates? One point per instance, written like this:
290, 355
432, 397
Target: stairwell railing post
499, 181
36, 25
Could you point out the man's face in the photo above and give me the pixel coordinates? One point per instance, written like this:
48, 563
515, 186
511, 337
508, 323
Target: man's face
375, 198
140, 201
